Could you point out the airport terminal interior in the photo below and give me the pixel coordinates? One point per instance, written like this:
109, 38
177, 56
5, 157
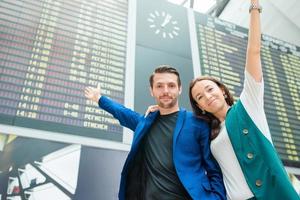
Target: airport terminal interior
56, 144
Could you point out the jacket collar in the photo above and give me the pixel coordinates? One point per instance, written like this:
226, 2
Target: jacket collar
149, 120
179, 122
179, 125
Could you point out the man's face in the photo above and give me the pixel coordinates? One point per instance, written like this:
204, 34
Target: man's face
165, 90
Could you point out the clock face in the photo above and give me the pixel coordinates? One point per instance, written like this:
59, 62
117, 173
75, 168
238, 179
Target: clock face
163, 24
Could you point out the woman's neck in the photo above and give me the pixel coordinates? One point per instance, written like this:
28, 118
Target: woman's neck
221, 114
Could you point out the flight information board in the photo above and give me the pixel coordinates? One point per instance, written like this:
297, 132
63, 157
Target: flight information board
50, 50
222, 51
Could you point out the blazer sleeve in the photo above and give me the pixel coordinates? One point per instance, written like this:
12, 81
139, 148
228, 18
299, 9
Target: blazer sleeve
211, 166
126, 116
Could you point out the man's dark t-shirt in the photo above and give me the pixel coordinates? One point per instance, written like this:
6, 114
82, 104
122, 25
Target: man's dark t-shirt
152, 174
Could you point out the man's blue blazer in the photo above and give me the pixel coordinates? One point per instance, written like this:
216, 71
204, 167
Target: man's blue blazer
194, 164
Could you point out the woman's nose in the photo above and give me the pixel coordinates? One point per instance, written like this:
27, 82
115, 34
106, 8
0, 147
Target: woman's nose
207, 95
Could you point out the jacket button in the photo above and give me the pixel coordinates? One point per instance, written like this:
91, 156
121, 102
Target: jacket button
249, 155
245, 131
258, 183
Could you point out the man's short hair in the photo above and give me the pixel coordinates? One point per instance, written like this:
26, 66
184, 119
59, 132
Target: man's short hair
165, 69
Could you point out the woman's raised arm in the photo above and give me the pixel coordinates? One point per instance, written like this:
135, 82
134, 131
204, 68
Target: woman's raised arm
253, 61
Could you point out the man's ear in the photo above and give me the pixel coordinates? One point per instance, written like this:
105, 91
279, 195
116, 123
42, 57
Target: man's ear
151, 92
180, 89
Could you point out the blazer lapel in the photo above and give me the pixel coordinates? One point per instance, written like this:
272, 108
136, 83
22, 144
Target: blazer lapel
179, 125
143, 128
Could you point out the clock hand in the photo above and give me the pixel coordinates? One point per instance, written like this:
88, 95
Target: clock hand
166, 20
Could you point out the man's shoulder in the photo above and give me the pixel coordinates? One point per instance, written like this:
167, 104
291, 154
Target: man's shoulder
188, 113
191, 116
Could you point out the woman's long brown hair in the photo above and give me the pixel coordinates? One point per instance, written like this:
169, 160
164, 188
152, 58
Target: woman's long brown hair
208, 117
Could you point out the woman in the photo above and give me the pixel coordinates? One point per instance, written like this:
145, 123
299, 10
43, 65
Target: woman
241, 140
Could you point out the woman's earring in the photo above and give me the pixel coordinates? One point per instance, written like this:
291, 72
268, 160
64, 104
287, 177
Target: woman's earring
225, 96
203, 112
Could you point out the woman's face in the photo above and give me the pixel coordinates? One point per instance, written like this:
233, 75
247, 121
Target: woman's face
209, 96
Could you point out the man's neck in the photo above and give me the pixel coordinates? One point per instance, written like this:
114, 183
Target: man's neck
166, 111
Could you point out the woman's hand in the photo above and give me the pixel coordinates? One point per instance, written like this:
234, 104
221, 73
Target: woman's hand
151, 108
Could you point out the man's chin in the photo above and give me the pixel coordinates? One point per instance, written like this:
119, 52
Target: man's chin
166, 105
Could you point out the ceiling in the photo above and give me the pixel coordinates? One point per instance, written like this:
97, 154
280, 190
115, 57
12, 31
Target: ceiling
279, 18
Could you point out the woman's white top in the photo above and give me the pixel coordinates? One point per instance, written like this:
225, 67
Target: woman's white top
221, 147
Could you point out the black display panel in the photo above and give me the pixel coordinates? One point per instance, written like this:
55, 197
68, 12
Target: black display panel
50, 50
162, 37
222, 51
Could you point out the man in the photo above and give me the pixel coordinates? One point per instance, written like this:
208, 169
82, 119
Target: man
170, 157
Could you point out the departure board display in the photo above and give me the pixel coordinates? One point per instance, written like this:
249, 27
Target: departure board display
50, 50
222, 51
